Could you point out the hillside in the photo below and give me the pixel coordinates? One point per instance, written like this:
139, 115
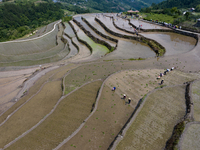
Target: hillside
111, 5
177, 3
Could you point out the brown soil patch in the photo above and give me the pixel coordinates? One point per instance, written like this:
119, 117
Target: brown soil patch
31, 113
67, 117
154, 124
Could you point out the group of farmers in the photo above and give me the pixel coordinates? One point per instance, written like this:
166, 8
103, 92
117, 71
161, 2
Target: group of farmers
162, 74
124, 96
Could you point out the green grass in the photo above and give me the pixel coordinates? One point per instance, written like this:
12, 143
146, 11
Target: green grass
160, 17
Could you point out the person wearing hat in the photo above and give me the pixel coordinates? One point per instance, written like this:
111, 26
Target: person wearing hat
129, 100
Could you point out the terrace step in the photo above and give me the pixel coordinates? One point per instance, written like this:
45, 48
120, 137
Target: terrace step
88, 29
73, 49
97, 50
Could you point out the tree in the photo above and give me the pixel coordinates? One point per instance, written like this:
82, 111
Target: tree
187, 14
198, 8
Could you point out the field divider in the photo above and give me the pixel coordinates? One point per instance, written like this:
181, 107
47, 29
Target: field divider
133, 116
33, 38
64, 82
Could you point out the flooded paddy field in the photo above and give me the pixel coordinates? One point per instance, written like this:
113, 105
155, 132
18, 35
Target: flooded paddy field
145, 25
174, 43
128, 49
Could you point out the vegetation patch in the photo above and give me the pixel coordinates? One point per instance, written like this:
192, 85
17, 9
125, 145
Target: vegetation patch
173, 141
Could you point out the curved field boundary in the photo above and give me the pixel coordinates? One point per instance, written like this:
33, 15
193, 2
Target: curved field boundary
115, 33
95, 39
72, 41
35, 126
133, 116
72, 51
29, 83
101, 34
157, 47
85, 43
33, 38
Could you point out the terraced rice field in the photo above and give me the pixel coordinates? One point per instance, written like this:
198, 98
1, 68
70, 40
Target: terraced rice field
34, 51
66, 101
145, 25
108, 22
98, 50
126, 49
79, 105
113, 44
173, 42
